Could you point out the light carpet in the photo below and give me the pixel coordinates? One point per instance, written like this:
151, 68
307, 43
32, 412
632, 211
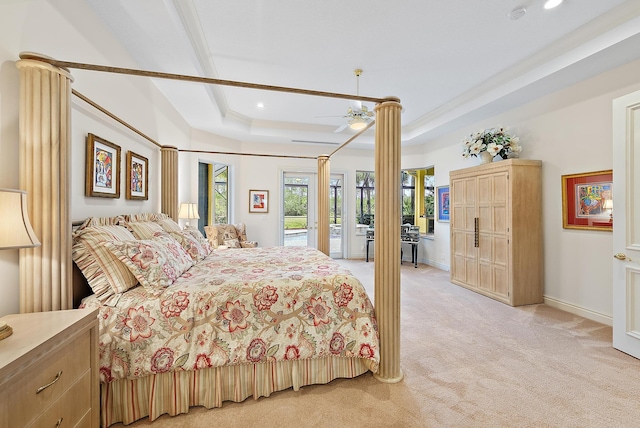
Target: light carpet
468, 361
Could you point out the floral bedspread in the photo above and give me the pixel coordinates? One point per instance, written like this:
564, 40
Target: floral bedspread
239, 307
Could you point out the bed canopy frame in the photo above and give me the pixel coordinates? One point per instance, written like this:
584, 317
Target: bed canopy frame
45, 150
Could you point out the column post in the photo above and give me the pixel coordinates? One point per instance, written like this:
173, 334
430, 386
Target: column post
45, 158
169, 198
387, 235
324, 174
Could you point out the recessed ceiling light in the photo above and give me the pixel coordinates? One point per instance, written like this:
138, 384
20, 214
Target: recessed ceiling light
550, 4
517, 13
260, 106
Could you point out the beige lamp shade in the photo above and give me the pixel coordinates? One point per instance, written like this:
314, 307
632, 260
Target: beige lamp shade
188, 211
15, 228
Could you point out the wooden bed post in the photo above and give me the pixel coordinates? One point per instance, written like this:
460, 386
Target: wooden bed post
387, 233
324, 173
169, 199
45, 158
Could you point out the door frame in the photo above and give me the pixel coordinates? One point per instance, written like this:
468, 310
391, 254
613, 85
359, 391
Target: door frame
626, 240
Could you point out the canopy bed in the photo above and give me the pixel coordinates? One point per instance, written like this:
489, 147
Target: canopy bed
45, 280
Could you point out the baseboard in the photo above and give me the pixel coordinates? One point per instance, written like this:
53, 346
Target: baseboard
577, 310
435, 264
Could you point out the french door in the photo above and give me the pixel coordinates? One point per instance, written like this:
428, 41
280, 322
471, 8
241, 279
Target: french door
299, 225
299, 213
626, 233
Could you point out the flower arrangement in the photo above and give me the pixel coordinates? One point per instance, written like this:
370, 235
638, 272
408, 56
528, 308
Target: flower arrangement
495, 141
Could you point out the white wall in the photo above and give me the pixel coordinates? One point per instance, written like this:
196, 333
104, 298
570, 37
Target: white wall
571, 132
67, 30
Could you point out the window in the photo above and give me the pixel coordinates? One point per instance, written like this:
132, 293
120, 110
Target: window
365, 197
335, 201
221, 195
213, 194
418, 195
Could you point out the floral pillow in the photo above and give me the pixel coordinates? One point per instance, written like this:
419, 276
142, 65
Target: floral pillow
156, 262
204, 242
190, 245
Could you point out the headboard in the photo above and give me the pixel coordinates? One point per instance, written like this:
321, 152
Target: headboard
81, 287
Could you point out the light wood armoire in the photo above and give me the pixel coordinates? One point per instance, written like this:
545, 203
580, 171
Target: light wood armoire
496, 230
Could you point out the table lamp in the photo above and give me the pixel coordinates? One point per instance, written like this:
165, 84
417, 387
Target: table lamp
15, 230
188, 211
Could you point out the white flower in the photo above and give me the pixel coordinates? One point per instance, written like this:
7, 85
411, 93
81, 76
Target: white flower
494, 148
476, 147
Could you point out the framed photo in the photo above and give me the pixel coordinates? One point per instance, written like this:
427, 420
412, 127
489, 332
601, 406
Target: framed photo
443, 203
587, 201
258, 201
103, 168
137, 176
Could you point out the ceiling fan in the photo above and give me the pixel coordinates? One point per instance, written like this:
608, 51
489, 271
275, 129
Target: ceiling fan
358, 115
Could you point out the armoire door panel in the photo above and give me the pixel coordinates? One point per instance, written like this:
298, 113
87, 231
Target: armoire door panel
469, 218
500, 281
485, 253
500, 254
484, 277
484, 218
499, 218
471, 271
500, 188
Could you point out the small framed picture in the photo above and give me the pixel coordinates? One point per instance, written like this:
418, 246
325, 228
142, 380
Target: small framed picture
137, 176
102, 178
258, 201
443, 203
587, 201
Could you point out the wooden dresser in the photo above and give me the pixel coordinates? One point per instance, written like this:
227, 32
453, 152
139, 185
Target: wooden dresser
49, 370
496, 230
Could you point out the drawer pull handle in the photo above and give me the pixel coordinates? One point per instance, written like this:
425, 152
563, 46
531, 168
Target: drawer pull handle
59, 423
43, 387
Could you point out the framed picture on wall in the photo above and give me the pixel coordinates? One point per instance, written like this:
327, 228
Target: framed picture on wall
587, 201
443, 203
102, 177
137, 176
258, 201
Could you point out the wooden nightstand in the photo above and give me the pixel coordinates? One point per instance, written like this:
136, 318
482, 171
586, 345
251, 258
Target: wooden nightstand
49, 370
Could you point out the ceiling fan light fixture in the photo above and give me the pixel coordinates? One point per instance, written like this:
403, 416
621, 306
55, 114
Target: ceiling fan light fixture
550, 4
357, 124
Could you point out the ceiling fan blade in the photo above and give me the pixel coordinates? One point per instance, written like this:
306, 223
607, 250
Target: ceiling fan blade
356, 105
341, 127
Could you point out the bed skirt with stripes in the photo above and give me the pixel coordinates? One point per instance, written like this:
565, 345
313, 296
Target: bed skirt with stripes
128, 400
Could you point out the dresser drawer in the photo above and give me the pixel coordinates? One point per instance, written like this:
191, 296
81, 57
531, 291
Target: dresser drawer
68, 410
60, 370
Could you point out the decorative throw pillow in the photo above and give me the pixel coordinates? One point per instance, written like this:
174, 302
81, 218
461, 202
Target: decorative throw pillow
204, 242
143, 229
190, 245
169, 225
232, 243
105, 274
156, 262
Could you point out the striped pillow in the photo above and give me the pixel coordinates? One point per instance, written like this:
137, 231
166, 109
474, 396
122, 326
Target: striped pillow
144, 229
105, 274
